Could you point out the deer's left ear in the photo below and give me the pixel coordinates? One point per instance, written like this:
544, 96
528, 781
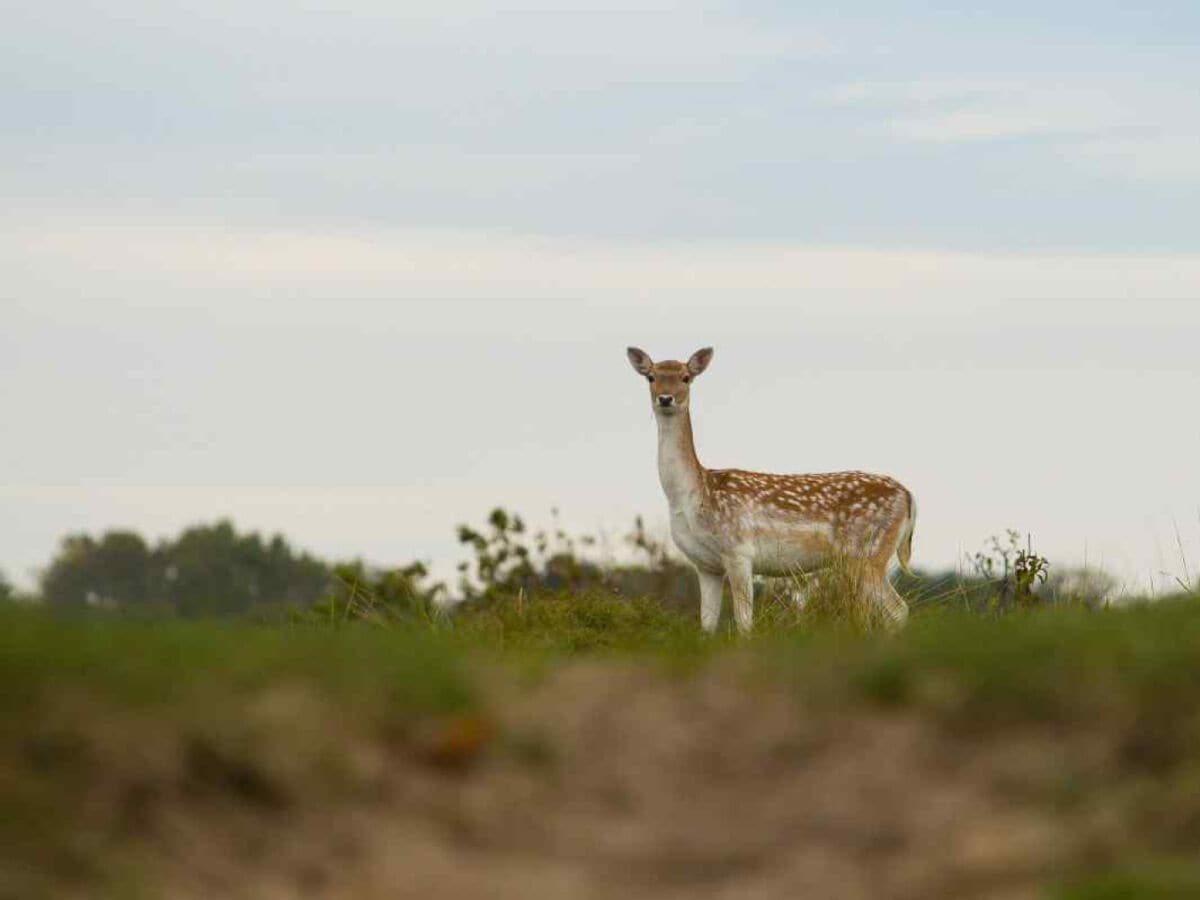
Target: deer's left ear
699, 361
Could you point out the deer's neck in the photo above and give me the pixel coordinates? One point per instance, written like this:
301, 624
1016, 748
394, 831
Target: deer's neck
678, 468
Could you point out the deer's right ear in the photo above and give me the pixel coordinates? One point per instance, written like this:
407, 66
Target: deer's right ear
640, 360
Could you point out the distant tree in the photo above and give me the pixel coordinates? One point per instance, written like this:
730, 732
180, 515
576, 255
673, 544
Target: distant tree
7, 592
211, 569
111, 572
207, 570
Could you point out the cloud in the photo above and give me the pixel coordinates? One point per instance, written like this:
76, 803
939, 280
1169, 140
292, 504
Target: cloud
110, 253
655, 120
1161, 159
968, 111
1110, 127
406, 55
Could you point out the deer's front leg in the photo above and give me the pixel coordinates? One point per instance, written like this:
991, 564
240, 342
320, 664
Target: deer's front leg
741, 585
710, 599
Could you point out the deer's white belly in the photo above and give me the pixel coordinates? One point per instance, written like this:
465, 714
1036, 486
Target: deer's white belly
786, 546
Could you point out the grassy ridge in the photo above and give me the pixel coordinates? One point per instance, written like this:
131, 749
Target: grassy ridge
1053, 662
175, 661
265, 711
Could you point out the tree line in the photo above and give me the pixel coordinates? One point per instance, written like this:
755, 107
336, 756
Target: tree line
215, 570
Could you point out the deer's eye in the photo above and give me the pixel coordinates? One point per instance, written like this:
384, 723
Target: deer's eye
687, 378
650, 378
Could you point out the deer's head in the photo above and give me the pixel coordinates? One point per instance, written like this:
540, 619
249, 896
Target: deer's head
670, 380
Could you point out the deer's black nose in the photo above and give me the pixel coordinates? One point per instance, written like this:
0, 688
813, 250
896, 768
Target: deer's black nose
665, 400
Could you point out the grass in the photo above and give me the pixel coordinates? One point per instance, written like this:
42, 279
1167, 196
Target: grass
147, 663
562, 625
260, 712
1170, 879
1051, 664
1056, 664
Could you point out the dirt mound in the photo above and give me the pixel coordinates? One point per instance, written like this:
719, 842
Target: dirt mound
605, 780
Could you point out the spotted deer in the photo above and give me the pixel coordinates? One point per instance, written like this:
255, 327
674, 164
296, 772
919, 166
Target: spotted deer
731, 523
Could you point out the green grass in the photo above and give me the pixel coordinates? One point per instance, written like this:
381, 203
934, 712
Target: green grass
1055, 664
170, 662
1069, 664
561, 625
1160, 880
1050, 664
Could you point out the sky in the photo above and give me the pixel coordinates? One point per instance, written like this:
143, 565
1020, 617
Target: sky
360, 272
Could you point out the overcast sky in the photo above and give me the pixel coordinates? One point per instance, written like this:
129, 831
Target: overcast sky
359, 273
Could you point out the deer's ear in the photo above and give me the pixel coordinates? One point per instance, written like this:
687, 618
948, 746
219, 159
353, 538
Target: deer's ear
640, 360
699, 361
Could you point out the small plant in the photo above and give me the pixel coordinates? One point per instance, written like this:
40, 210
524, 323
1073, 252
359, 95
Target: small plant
1029, 570
1013, 572
502, 558
509, 561
380, 596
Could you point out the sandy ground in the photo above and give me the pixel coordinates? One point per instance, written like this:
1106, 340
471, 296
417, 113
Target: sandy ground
607, 781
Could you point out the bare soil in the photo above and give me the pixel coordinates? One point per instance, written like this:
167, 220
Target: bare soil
605, 780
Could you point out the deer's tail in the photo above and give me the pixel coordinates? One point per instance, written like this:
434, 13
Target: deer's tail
904, 545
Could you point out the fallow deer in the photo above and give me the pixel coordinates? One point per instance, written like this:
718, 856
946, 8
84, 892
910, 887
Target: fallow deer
731, 523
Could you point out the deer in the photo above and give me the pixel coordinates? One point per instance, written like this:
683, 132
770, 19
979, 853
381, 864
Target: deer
731, 524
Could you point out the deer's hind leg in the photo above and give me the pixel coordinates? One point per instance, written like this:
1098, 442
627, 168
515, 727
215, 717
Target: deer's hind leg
888, 602
886, 599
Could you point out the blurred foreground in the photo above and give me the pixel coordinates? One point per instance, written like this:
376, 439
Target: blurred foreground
580, 743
